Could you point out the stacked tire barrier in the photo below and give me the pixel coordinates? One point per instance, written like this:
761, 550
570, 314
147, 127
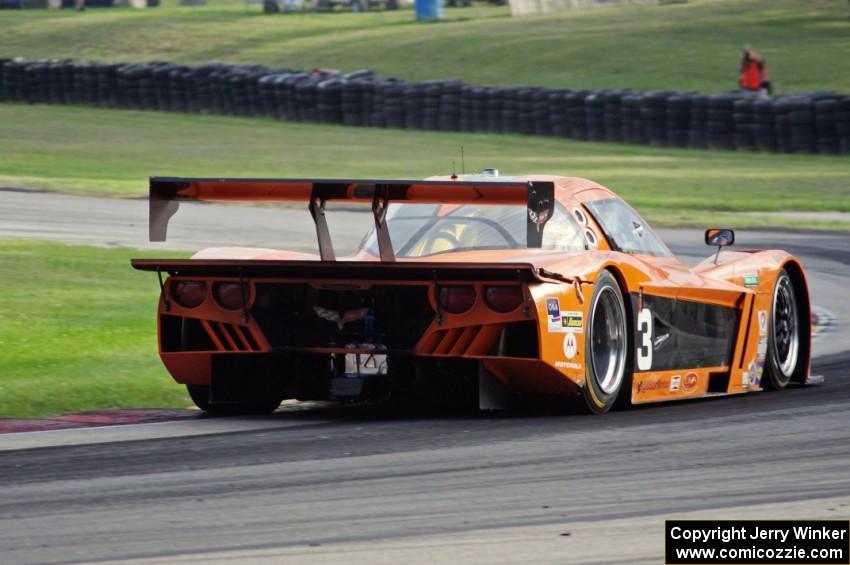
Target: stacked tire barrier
816, 122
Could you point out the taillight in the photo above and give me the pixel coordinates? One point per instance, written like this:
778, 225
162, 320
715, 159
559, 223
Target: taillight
457, 299
189, 294
503, 298
230, 295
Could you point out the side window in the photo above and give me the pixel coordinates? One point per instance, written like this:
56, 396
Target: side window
627, 231
562, 232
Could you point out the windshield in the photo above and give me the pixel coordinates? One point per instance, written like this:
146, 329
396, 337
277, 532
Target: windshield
420, 230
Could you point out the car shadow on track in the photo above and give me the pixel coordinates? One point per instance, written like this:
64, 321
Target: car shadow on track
559, 410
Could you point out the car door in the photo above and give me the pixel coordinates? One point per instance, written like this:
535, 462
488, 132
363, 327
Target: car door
682, 320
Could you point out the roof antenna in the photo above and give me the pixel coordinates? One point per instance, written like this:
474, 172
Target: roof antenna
454, 172
462, 162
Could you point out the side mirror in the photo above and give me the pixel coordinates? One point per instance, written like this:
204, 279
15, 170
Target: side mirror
719, 237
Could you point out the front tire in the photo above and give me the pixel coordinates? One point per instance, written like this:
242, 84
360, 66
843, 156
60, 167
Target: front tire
783, 335
606, 345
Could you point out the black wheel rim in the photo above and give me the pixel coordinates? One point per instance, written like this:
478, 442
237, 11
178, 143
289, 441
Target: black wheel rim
784, 327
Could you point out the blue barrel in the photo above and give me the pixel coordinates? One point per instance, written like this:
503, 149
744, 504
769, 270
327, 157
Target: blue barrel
428, 10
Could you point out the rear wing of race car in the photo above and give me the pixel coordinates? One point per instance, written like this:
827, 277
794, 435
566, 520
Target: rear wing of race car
347, 270
167, 192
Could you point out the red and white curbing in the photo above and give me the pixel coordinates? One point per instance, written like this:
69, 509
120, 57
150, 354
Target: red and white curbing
98, 418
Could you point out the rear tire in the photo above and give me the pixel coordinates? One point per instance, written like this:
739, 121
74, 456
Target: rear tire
257, 398
606, 345
261, 402
783, 335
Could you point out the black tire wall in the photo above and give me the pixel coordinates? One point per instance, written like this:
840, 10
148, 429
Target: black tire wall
817, 122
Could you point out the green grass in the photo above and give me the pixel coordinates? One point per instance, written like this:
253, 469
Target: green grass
115, 151
691, 46
78, 332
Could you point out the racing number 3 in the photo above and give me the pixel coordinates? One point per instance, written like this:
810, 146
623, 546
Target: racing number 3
644, 340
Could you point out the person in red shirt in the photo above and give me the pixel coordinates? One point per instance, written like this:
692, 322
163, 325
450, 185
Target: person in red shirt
752, 76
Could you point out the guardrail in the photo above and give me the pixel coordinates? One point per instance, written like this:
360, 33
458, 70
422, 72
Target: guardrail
817, 122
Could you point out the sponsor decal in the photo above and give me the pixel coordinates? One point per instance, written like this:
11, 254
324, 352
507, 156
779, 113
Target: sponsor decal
553, 308
762, 350
562, 322
572, 321
745, 378
690, 381
675, 382
553, 314
570, 345
657, 383
762, 322
750, 279
759, 371
567, 365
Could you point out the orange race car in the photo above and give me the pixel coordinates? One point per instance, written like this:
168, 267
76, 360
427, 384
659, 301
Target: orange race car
534, 285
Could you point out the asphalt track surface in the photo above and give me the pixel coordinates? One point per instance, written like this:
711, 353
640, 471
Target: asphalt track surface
318, 483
